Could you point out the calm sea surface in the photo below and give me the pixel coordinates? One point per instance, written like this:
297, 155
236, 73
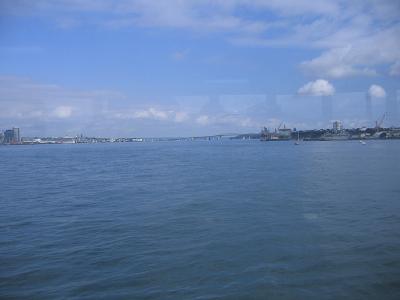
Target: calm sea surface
200, 220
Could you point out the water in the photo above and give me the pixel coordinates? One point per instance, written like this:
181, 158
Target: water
200, 220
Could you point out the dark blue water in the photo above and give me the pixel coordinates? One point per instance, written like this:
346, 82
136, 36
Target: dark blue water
200, 220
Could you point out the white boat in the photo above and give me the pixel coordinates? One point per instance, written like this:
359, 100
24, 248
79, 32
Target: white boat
362, 142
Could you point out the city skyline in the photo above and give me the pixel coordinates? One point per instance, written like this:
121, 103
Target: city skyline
173, 68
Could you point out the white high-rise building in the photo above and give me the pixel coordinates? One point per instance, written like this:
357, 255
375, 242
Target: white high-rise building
17, 137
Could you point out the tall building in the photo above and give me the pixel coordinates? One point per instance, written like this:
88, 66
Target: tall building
12, 136
337, 126
8, 136
17, 137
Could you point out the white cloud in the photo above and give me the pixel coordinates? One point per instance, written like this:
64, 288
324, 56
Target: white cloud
193, 15
352, 52
376, 91
319, 87
335, 63
62, 111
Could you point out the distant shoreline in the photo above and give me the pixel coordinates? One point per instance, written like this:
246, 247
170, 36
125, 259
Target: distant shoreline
203, 140
337, 133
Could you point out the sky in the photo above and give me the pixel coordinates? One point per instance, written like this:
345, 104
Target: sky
138, 68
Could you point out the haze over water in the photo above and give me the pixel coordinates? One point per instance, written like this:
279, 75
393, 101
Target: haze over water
200, 220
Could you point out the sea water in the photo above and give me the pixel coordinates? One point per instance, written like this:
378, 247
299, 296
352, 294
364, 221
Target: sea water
200, 220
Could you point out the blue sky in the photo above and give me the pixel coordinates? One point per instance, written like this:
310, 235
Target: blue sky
168, 68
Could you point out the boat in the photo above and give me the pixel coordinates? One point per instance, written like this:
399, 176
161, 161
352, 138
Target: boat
362, 142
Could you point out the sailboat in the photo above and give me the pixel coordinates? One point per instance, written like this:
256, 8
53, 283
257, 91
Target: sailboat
298, 139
